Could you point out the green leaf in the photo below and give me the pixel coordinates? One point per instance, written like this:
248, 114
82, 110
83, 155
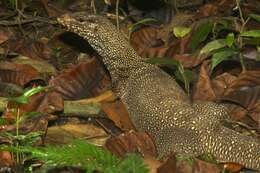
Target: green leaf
181, 31
201, 34
33, 91
163, 61
251, 33
136, 25
221, 56
2, 121
230, 39
213, 45
23, 99
185, 76
255, 17
188, 76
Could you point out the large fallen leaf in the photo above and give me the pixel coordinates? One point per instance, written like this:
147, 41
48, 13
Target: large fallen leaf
68, 132
19, 74
83, 80
31, 48
4, 36
169, 166
146, 40
117, 112
131, 142
40, 65
203, 88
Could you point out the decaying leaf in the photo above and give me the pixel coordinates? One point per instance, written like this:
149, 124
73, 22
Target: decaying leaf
84, 80
19, 74
68, 132
131, 142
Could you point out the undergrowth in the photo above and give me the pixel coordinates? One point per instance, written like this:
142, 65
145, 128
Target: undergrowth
81, 154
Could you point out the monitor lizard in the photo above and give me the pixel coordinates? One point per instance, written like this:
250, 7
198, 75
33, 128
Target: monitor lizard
158, 105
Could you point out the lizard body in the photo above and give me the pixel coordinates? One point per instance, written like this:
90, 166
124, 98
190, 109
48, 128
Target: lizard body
156, 103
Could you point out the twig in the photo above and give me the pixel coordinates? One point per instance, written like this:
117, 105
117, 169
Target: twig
117, 14
25, 21
92, 4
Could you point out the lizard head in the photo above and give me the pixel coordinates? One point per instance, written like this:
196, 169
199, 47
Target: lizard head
104, 37
97, 30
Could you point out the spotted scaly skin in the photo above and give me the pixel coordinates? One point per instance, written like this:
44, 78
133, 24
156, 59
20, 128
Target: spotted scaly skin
156, 103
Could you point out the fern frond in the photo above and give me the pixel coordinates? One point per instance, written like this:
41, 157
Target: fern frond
85, 155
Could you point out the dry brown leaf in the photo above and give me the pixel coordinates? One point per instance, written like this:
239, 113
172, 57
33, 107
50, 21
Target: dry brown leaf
63, 134
245, 91
221, 83
4, 36
131, 142
117, 112
232, 167
19, 74
147, 42
169, 166
6, 159
203, 88
237, 112
34, 49
198, 166
207, 10
245, 79
49, 102
205, 167
43, 67
83, 80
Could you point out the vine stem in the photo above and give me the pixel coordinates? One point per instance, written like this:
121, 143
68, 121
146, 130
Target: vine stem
240, 40
240, 11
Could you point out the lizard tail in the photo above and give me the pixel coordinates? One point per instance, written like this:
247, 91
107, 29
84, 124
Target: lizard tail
230, 146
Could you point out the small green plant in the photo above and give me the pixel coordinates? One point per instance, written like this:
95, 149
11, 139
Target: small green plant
14, 107
232, 45
80, 153
16, 102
